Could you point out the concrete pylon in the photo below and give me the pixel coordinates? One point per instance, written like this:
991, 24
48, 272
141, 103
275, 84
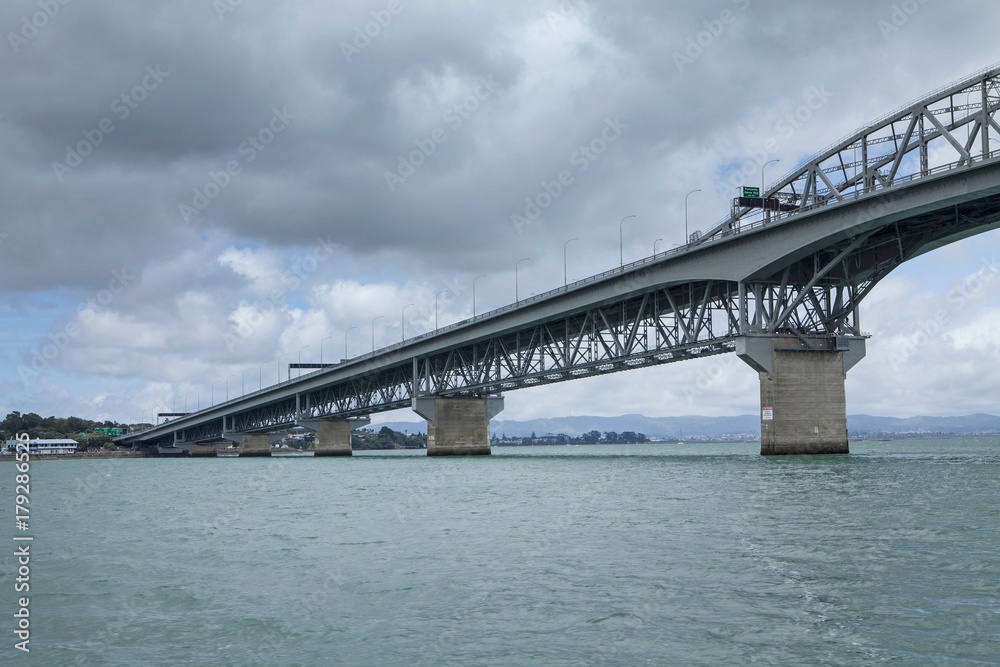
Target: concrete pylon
333, 436
253, 444
203, 449
803, 407
458, 426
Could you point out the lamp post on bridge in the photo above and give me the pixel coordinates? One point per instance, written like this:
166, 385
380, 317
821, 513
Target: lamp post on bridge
321, 348
687, 237
280, 357
304, 347
345, 340
373, 330
517, 298
213, 391
436, 307
654, 245
762, 211
474, 294
565, 275
621, 243
402, 322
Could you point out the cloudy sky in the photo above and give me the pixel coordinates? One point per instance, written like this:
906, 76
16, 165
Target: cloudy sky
193, 188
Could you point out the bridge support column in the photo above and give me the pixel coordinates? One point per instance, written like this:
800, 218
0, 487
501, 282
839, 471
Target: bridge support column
333, 436
203, 450
802, 398
255, 444
458, 426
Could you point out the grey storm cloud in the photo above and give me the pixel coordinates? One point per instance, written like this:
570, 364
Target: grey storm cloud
157, 143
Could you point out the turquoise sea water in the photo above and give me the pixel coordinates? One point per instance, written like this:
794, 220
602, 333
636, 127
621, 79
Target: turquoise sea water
591, 555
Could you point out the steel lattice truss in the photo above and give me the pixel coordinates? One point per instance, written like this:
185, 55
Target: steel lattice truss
815, 296
650, 324
661, 326
948, 129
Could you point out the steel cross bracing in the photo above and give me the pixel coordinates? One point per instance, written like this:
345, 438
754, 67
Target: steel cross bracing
814, 295
648, 320
661, 326
951, 128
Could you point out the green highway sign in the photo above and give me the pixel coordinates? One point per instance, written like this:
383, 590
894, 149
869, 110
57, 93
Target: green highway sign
751, 192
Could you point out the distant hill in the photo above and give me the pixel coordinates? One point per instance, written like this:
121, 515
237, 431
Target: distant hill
673, 427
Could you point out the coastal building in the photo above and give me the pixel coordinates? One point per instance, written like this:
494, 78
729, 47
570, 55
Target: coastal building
43, 447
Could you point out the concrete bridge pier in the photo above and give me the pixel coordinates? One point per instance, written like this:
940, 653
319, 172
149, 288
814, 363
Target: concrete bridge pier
203, 449
802, 398
458, 426
333, 436
251, 444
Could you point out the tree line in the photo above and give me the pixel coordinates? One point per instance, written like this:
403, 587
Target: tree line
52, 428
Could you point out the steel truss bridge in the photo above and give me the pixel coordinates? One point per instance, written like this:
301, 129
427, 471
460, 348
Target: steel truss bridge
795, 262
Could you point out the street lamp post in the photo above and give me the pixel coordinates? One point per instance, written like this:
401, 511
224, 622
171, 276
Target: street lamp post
687, 238
304, 347
565, 278
654, 245
517, 298
762, 211
321, 348
402, 322
280, 357
621, 244
373, 330
436, 307
345, 340
474, 294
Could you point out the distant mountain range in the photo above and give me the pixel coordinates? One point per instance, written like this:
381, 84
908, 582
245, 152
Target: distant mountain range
689, 427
